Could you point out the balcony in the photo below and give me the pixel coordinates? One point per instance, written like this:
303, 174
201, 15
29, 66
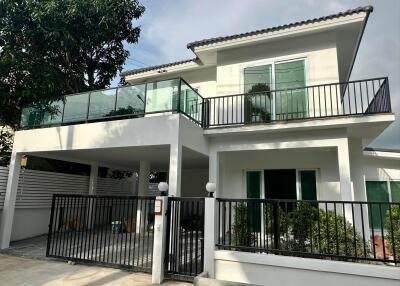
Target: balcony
131, 101
361, 97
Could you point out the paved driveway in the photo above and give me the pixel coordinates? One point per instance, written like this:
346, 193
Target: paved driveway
25, 271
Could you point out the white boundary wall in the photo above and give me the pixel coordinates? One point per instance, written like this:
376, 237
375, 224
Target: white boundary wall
35, 191
265, 269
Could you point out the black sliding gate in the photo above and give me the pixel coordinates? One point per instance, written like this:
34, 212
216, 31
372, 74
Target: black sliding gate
184, 257
107, 230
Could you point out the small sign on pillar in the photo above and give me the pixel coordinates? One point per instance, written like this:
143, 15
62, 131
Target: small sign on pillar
158, 204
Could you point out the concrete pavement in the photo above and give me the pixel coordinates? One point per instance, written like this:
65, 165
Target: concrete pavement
25, 271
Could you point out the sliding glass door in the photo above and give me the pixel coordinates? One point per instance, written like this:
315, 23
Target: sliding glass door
257, 87
288, 100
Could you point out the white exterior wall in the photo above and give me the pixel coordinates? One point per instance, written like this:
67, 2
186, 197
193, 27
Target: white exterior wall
319, 52
381, 169
324, 161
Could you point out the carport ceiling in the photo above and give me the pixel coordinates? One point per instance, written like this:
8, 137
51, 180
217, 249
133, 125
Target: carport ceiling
129, 157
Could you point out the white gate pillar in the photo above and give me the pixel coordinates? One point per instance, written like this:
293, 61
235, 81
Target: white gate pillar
210, 230
175, 170
9, 200
159, 244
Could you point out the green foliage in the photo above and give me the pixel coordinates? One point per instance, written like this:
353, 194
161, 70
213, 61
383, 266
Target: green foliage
5, 146
335, 235
392, 226
50, 48
301, 221
242, 235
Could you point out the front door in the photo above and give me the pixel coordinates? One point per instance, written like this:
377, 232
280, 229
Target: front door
280, 184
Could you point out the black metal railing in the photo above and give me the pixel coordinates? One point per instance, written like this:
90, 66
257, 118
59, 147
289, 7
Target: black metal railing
111, 230
336, 230
184, 257
359, 97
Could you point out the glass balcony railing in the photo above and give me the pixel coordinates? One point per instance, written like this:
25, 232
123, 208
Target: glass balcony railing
172, 95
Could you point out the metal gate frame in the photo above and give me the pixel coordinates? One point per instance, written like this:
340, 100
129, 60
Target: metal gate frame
115, 231
184, 256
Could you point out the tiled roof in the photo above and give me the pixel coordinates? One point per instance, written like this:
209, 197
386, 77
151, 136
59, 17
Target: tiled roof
141, 70
192, 45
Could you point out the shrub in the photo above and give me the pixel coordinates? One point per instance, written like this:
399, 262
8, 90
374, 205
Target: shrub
392, 226
302, 220
242, 235
335, 235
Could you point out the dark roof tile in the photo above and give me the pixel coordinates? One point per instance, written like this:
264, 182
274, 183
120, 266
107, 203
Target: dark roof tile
192, 45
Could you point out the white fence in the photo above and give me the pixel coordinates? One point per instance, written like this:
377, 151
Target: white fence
3, 184
35, 188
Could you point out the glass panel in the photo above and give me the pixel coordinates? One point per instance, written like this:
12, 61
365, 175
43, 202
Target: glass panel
292, 103
395, 191
253, 180
130, 99
377, 191
54, 115
308, 184
191, 102
30, 117
257, 106
76, 107
162, 95
102, 103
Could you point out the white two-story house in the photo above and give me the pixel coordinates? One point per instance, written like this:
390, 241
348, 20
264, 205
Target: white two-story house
269, 114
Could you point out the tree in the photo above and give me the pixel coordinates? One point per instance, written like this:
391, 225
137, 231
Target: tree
49, 48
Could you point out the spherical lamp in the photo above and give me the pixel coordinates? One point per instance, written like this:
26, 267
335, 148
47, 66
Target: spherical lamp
210, 187
163, 188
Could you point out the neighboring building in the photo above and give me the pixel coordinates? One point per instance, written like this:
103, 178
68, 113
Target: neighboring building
265, 114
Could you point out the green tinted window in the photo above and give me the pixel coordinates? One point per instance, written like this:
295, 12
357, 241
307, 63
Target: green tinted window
308, 185
258, 84
377, 191
395, 191
291, 100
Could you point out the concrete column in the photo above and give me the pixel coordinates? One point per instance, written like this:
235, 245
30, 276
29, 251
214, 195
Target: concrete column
9, 200
210, 230
213, 171
175, 170
143, 190
357, 171
346, 193
159, 244
94, 172
144, 174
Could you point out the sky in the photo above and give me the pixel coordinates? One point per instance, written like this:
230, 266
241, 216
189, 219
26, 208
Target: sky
168, 25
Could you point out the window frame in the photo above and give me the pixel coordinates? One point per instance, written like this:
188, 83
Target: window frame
274, 61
